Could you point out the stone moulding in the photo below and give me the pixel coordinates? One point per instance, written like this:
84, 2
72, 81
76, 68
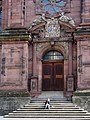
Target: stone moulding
87, 93
23, 93
12, 34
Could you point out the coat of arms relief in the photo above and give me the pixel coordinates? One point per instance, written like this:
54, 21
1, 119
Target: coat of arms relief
52, 28
52, 14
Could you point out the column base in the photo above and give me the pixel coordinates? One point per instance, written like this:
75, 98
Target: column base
34, 94
70, 85
34, 86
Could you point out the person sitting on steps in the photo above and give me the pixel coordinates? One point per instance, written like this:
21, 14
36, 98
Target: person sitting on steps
47, 104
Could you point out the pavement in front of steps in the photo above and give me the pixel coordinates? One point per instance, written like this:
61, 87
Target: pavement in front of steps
1, 118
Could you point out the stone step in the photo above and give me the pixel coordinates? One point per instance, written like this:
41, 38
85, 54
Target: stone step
54, 105
39, 109
55, 101
44, 116
54, 109
57, 107
49, 111
51, 99
52, 117
61, 109
60, 103
54, 113
49, 114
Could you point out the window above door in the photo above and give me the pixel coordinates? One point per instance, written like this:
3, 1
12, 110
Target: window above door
53, 55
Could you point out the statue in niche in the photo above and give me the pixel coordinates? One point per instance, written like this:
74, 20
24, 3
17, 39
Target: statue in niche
66, 19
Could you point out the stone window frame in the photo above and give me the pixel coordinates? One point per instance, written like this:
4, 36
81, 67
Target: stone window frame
39, 6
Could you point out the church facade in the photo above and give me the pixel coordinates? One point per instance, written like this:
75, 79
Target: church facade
45, 46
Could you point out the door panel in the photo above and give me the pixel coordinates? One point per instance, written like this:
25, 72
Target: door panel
58, 73
52, 76
47, 72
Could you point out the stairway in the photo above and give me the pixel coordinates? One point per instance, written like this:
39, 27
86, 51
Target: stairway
61, 109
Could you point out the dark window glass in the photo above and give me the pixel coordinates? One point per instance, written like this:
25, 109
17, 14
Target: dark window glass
53, 55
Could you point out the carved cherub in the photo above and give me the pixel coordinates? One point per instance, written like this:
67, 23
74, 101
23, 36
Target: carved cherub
39, 20
66, 19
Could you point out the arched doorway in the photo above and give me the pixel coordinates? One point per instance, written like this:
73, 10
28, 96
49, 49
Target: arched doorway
53, 71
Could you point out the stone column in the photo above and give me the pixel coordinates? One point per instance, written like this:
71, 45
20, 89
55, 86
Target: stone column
34, 59
70, 79
34, 78
25, 64
70, 58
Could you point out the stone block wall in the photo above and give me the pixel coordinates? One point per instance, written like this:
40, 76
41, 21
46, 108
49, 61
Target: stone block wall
14, 66
82, 99
9, 104
18, 13
85, 11
13, 100
83, 64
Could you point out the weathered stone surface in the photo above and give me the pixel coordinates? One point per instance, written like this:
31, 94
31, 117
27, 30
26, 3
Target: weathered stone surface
82, 99
9, 104
22, 13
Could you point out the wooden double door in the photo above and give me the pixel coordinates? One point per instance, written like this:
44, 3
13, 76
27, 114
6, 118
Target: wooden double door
53, 76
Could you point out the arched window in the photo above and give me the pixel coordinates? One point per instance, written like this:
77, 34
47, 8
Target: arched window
53, 55
51, 7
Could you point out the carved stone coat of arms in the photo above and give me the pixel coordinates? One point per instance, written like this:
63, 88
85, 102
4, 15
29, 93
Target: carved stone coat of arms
52, 28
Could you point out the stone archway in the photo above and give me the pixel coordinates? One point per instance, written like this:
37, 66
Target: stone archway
53, 71
45, 50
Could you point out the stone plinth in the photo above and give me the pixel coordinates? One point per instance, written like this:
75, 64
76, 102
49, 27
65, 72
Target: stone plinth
12, 100
82, 99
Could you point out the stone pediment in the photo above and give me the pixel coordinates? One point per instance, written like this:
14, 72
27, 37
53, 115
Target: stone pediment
52, 27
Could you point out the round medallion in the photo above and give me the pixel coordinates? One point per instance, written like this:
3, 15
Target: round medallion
52, 7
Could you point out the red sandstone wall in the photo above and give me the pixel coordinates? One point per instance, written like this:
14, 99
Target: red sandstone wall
83, 64
5, 5
75, 63
17, 13
0, 60
14, 72
30, 12
86, 11
22, 12
75, 11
